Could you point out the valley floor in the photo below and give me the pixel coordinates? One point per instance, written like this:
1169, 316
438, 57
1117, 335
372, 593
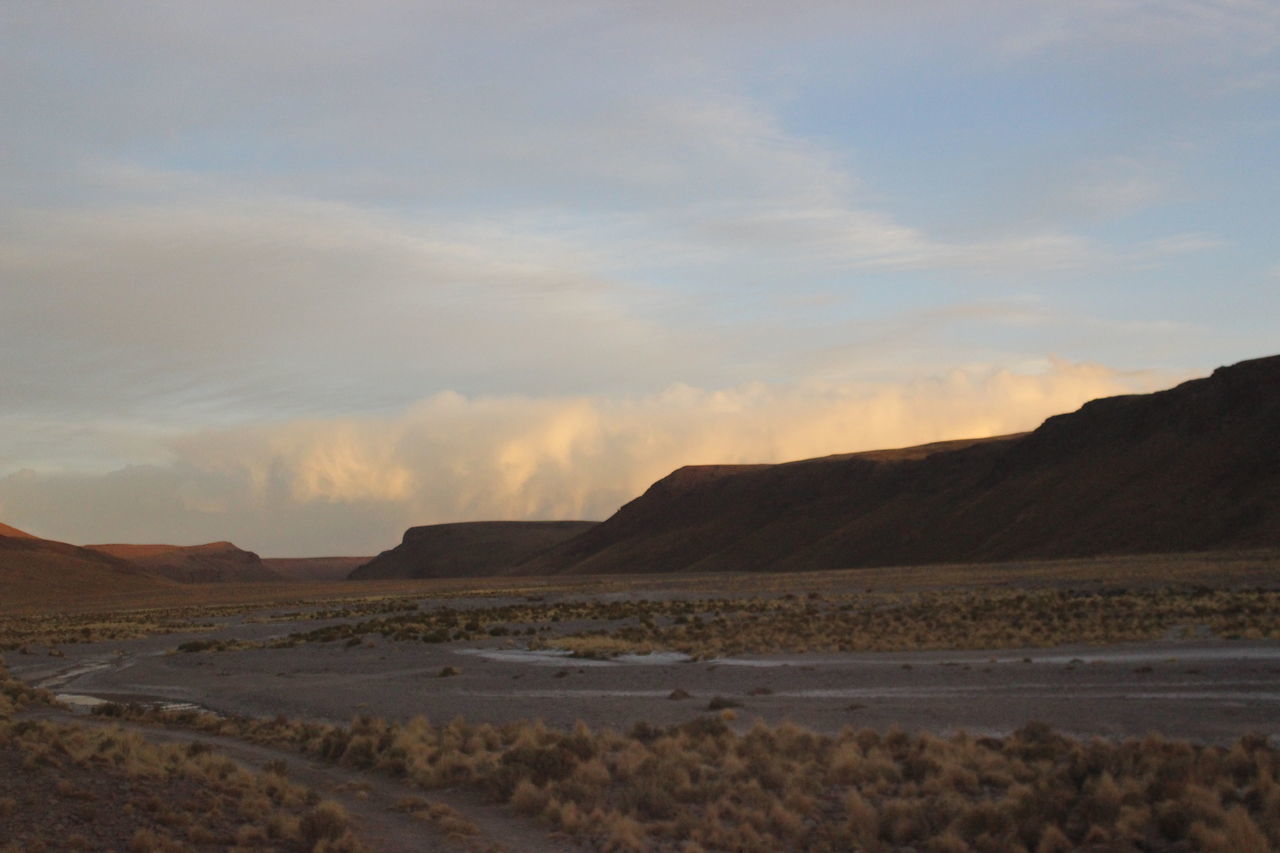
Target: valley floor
1200, 664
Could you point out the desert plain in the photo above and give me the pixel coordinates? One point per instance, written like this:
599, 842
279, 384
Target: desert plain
1151, 651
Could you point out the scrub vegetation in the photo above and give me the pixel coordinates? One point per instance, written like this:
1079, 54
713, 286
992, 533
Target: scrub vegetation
973, 619
198, 607
16, 695
711, 783
817, 622
704, 786
67, 787
27, 632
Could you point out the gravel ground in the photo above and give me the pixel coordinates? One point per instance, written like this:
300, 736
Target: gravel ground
1204, 690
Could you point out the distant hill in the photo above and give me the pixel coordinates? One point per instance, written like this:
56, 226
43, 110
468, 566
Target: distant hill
15, 533
1196, 467
313, 568
215, 562
467, 549
40, 572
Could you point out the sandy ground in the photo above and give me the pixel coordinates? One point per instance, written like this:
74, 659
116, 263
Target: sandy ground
1205, 690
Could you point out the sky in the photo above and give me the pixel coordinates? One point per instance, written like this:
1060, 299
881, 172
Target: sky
303, 274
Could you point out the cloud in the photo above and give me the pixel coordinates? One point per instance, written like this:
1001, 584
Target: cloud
1153, 251
1114, 187
1206, 27
844, 238
209, 305
341, 211
351, 485
218, 307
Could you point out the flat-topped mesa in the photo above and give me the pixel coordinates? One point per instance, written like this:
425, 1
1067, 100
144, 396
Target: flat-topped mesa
213, 562
1195, 467
467, 549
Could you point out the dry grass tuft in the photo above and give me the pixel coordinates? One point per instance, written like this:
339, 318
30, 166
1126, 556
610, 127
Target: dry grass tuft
328, 821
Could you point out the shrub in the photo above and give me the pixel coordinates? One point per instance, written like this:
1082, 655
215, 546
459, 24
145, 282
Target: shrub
326, 821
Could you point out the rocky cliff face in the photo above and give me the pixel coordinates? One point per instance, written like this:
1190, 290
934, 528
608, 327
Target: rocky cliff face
1196, 467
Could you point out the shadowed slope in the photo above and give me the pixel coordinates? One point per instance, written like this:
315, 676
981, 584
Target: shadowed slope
215, 562
1195, 467
313, 568
468, 549
39, 571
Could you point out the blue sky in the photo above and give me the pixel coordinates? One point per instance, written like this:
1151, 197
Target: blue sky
302, 274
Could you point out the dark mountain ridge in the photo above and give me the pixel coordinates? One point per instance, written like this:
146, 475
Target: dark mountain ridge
1195, 467
467, 549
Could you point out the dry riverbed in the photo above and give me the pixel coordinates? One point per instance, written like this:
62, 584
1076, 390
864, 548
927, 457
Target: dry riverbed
1203, 689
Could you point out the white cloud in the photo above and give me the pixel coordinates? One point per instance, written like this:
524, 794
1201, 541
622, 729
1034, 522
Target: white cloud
224, 304
239, 302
